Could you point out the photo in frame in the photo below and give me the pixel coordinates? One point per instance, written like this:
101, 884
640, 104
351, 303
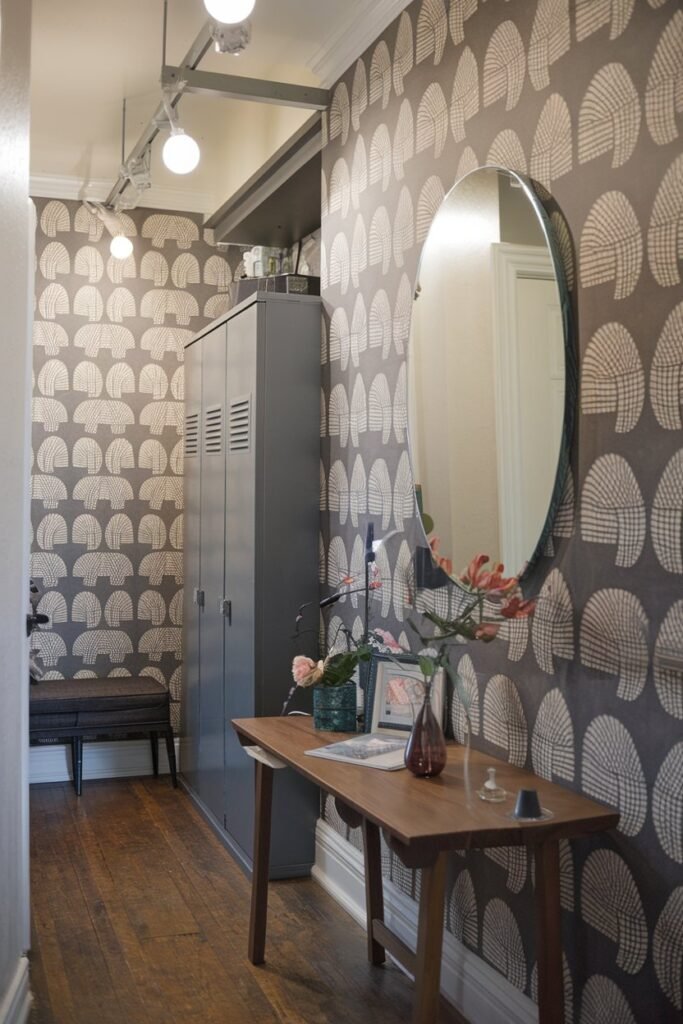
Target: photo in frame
395, 693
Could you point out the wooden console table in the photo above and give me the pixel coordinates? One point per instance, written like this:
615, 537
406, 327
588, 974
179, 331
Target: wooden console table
423, 820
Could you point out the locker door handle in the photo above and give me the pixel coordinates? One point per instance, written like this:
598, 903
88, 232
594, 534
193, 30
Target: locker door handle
225, 608
198, 597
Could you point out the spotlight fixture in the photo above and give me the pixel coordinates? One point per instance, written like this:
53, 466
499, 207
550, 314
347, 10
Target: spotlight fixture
231, 39
230, 12
138, 172
180, 153
120, 247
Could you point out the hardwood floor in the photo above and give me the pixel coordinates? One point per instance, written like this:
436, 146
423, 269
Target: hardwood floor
140, 916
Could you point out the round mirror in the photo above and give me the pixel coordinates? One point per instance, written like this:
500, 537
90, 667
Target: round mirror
488, 374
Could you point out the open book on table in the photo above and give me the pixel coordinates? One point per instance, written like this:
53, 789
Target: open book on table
373, 750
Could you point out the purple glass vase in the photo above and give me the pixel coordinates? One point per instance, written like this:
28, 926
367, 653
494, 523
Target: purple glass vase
426, 748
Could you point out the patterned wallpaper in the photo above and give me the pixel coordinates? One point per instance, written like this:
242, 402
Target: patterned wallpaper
585, 97
107, 484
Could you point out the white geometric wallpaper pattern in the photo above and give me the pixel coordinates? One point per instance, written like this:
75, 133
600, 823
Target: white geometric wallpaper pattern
107, 484
585, 97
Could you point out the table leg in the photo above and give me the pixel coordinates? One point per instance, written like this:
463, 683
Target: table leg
374, 897
548, 934
259, 880
430, 941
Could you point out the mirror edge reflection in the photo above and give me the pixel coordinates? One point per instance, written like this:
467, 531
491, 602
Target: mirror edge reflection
428, 573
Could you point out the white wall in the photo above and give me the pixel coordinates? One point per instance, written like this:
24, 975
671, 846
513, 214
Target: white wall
15, 16
250, 133
452, 413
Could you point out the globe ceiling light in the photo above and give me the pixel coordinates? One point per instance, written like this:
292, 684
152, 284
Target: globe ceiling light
229, 12
180, 153
120, 247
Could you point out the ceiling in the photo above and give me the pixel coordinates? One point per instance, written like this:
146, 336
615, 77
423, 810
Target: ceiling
90, 54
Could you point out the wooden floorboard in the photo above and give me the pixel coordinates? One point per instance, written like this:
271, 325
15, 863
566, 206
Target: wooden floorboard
140, 916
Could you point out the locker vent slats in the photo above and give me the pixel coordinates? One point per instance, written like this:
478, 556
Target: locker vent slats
191, 435
240, 424
213, 430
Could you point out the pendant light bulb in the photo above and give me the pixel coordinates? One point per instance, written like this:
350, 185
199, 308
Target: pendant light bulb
120, 247
180, 153
229, 12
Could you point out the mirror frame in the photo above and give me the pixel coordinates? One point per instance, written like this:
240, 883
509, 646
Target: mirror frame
428, 573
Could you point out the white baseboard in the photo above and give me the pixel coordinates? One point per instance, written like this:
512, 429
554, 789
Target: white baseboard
479, 992
107, 760
15, 1004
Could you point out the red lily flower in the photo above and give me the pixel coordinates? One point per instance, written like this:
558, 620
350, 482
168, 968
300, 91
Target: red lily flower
472, 573
444, 563
491, 581
516, 608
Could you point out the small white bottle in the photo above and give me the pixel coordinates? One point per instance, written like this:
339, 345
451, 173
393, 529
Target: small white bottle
491, 791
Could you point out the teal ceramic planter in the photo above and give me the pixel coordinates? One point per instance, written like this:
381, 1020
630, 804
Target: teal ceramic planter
334, 708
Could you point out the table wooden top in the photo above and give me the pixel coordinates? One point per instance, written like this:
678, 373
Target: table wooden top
445, 811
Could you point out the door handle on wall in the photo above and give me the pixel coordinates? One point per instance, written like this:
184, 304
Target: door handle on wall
225, 608
198, 597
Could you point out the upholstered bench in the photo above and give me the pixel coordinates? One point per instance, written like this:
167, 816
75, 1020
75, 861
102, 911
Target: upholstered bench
74, 708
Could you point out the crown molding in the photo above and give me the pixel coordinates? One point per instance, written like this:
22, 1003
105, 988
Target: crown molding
359, 31
158, 197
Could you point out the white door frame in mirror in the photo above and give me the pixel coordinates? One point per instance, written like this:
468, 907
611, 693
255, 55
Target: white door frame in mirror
512, 263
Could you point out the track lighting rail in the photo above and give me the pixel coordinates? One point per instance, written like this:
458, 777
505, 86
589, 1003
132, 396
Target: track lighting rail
194, 55
257, 90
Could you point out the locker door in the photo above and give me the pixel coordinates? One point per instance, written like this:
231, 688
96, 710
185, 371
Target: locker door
241, 537
192, 540
211, 704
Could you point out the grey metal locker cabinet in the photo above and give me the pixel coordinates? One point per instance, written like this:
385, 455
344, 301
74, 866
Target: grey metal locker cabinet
242, 404
192, 591
272, 525
258, 542
287, 552
211, 638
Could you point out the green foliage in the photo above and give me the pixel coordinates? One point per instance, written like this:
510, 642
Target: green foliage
427, 666
427, 523
339, 668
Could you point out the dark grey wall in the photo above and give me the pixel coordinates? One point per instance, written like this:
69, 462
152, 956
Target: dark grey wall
585, 97
107, 483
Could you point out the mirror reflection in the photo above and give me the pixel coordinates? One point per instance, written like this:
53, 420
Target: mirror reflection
486, 371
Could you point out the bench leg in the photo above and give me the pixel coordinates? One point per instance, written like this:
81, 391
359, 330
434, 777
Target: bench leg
77, 762
170, 750
154, 741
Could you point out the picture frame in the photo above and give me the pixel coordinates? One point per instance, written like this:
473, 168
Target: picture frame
395, 691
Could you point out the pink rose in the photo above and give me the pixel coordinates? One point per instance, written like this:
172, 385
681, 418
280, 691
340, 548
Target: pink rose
305, 671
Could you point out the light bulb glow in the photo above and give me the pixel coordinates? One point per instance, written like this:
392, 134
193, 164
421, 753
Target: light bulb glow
229, 12
180, 153
120, 247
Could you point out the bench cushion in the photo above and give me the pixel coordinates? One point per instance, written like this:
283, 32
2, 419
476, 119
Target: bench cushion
76, 697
